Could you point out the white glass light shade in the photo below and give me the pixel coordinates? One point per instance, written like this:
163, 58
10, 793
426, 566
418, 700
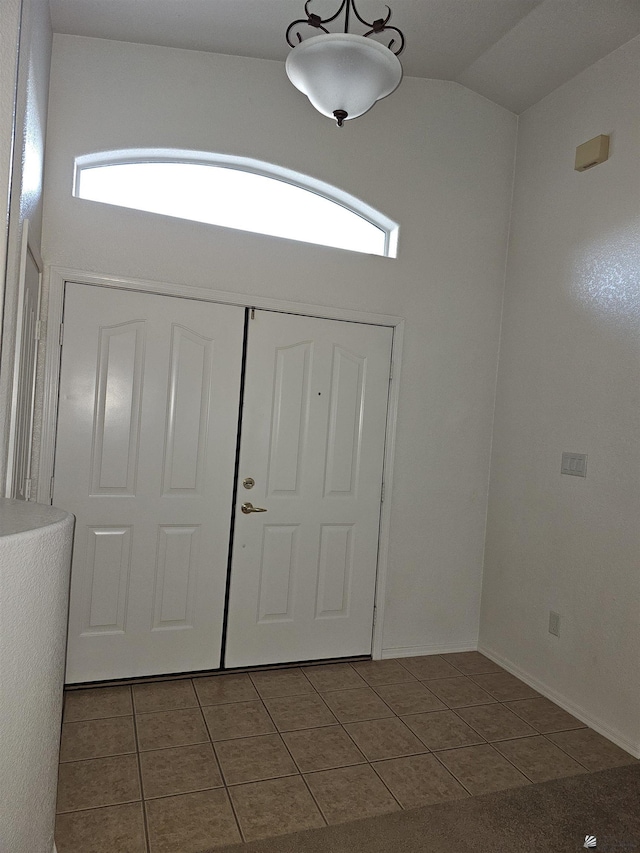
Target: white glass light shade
341, 71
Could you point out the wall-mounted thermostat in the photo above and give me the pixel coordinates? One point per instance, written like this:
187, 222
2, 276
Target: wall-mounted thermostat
592, 153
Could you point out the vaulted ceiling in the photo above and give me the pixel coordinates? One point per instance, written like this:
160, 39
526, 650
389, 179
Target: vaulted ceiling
513, 52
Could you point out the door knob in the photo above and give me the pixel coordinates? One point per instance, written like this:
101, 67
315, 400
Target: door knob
249, 507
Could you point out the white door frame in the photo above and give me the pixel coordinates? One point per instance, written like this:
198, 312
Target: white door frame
26, 249
55, 279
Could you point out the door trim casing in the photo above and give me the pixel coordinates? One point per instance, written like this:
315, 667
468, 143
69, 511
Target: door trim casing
55, 279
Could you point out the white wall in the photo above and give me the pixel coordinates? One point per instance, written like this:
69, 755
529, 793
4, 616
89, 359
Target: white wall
434, 156
26, 178
569, 380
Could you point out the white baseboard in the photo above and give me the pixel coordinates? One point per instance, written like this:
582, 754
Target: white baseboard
583, 715
434, 649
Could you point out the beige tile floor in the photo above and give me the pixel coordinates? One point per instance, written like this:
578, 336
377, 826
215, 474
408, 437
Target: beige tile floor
185, 765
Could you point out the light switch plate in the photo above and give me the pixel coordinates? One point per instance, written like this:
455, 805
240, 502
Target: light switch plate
574, 464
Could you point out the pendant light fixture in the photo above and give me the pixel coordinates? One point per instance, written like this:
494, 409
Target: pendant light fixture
343, 74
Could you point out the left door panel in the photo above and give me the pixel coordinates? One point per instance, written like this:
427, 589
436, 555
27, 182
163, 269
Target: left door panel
145, 453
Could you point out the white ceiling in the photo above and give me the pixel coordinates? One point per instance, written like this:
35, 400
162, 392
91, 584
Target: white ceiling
513, 52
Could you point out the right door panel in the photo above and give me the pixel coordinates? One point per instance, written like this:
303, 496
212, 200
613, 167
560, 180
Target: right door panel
313, 431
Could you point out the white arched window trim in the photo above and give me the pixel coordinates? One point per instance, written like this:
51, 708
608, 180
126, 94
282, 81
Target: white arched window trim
389, 228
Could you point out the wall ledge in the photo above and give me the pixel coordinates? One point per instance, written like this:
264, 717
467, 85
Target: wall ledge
18, 517
35, 558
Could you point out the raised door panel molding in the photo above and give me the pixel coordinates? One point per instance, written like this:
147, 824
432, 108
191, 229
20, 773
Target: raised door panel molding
277, 573
117, 409
176, 577
345, 423
108, 567
335, 564
188, 411
289, 418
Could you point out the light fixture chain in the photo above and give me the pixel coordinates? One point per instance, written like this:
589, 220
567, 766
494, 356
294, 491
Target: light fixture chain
315, 21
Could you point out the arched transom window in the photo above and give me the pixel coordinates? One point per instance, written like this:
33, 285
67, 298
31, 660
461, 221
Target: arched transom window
235, 192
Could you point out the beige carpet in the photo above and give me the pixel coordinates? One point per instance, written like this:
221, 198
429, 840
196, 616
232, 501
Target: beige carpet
552, 817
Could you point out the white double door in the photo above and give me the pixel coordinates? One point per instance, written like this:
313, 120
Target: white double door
148, 430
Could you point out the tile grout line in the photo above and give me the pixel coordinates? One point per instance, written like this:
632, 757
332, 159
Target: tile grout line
371, 764
509, 702
228, 793
316, 803
458, 780
304, 781
565, 751
293, 758
142, 797
474, 728
185, 793
524, 773
95, 719
353, 740
243, 839
497, 751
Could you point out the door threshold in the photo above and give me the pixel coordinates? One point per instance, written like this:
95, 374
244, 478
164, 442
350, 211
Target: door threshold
177, 676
